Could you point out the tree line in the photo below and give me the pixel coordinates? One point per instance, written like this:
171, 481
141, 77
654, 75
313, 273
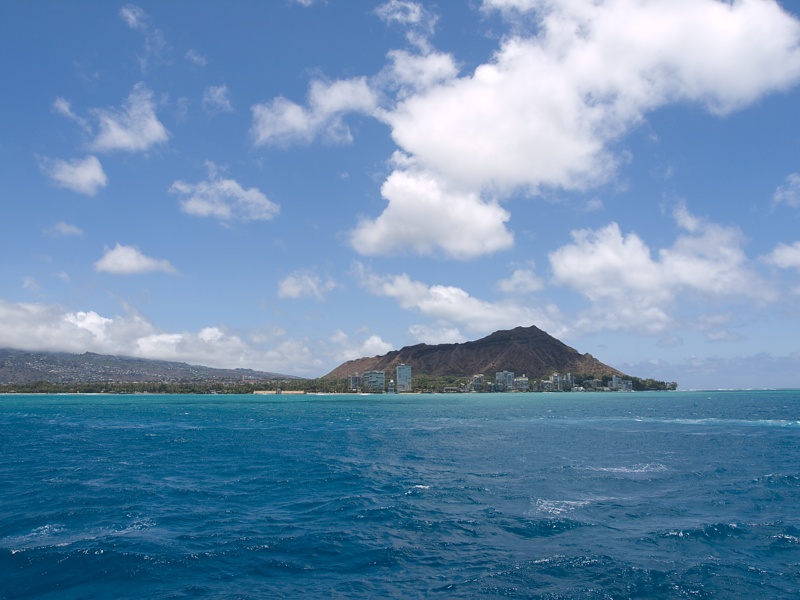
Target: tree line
323, 385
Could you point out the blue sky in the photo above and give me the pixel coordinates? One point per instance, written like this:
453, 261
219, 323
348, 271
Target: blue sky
288, 185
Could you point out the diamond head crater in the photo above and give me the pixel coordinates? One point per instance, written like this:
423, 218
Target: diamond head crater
523, 359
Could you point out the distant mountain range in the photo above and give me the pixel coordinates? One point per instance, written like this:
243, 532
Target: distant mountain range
524, 350
20, 367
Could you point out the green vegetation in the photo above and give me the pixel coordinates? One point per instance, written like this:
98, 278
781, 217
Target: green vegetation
645, 385
146, 387
330, 385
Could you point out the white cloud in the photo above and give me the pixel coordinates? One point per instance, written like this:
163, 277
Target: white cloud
629, 289
304, 284
789, 192
522, 281
224, 199
41, 327
424, 217
132, 128
542, 112
282, 121
85, 176
785, 256
196, 58
723, 336
593, 205
518, 5
31, 284
64, 108
293, 357
27, 326
213, 346
450, 305
134, 17
436, 334
415, 73
62, 229
547, 108
154, 43
215, 99
128, 260
182, 108
342, 348
401, 11
418, 22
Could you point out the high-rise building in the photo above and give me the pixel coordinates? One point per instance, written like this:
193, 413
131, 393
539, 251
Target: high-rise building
404, 378
504, 381
374, 382
354, 382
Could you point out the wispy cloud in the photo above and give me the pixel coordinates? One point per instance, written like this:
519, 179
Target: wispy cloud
305, 284
62, 229
785, 256
129, 260
155, 45
132, 128
418, 22
30, 284
64, 108
216, 99
85, 176
197, 59
281, 121
522, 281
789, 192
343, 347
224, 199
47, 327
452, 305
630, 290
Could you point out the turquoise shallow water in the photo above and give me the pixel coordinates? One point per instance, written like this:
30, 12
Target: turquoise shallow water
673, 495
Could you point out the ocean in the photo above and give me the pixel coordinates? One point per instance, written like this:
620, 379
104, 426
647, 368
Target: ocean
593, 495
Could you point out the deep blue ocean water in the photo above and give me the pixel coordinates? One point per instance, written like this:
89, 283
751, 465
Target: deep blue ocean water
639, 495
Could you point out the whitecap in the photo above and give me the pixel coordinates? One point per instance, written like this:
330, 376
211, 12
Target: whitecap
634, 469
556, 508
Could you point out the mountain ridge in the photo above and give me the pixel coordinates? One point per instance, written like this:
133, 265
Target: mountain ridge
24, 367
527, 350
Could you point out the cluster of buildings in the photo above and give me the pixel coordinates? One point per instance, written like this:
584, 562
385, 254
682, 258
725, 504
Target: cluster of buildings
374, 382
505, 381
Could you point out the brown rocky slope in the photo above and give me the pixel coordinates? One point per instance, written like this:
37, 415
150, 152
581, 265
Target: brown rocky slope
527, 350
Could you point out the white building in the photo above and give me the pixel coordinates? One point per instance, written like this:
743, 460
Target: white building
404, 378
504, 381
354, 382
373, 382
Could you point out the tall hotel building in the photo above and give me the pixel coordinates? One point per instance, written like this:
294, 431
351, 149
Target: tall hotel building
403, 378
